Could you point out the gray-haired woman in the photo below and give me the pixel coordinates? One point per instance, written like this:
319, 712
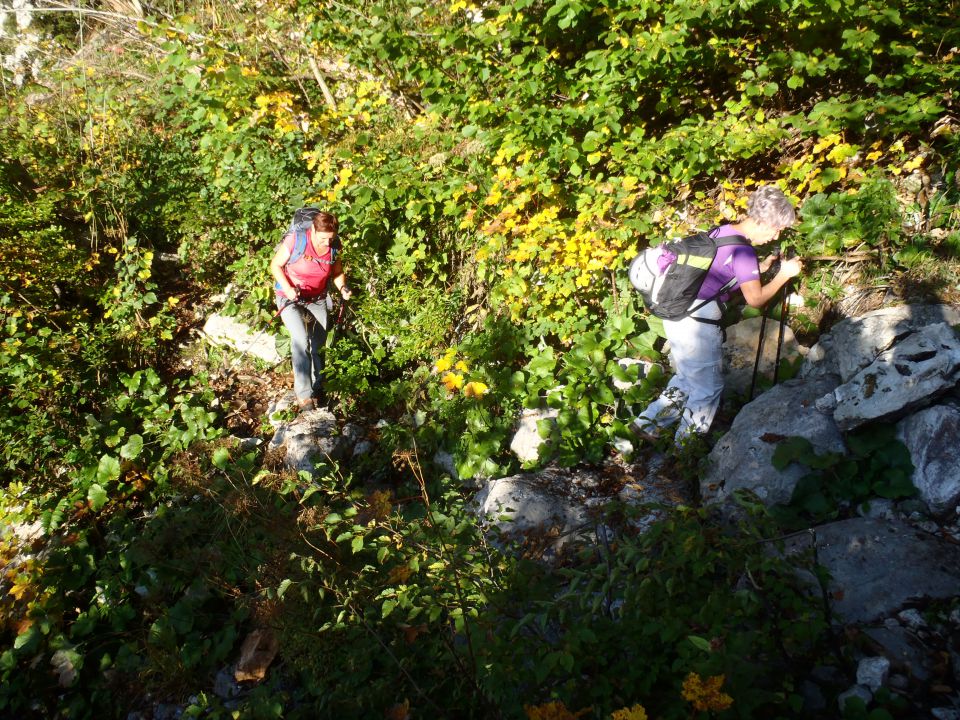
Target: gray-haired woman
693, 394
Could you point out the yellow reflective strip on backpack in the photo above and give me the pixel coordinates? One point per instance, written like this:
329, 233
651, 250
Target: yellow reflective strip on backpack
697, 261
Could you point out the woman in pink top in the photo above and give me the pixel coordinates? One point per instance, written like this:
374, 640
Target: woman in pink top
692, 396
301, 288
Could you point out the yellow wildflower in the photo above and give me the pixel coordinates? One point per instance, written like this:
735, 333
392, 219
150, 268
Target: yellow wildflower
461, 366
637, 712
446, 362
552, 711
452, 381
475, 389
705, 694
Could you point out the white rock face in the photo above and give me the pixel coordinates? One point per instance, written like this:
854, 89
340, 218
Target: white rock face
527, 441
931, 436
312, 439
222, 330
916, 370
742, 459
856, 342
521, 503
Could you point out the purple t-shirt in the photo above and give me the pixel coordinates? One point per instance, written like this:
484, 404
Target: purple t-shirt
732, 261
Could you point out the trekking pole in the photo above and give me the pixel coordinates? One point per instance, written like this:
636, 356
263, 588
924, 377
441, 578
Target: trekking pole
784, 311
331, 336
756, 363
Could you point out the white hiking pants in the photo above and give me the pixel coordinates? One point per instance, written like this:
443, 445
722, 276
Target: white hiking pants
693, 394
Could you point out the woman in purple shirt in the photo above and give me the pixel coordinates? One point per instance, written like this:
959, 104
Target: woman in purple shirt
693, 394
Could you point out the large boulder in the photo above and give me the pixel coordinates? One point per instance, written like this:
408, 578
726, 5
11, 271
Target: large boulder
877, 567
742, 458
931, 436
740, 353
919, 368
854, 343
228, 331
313, 438
538, 503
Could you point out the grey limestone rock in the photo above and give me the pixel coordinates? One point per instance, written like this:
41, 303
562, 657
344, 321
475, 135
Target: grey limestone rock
228, 331
873, 672
858, 691
931, 436
920, 368
879, 566
854, 343
742, 457
311, 438
740, 353
527, 441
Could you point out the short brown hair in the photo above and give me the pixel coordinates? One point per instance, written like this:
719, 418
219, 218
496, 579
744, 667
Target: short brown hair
325, 222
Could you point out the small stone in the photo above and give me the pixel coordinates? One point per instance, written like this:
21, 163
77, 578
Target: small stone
912, 619
873, 672
363, 447
945, 713
856, 691
891, 623
955, 617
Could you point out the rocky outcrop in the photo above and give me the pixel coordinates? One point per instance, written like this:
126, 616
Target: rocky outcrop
312, 438
228, 331
527, 439
891, 364
742, 457
931, 436
532, 503
854, 343
552, 507
877, 567
921, 367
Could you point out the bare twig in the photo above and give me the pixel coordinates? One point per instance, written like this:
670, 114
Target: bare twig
327, 95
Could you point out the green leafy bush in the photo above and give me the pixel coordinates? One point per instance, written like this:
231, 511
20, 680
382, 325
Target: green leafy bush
878, 465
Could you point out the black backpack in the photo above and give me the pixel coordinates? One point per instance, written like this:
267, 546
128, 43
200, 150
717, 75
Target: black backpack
669, 294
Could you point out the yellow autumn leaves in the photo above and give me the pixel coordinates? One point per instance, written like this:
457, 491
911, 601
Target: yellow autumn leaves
528, 242
453, 376
705, 694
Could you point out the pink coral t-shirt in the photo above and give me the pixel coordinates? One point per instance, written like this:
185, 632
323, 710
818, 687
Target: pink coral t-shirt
732, 261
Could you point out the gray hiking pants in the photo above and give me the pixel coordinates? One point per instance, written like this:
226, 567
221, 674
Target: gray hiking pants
307, 325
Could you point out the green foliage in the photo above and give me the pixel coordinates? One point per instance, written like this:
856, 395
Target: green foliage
868, 219
878, 465
493, 169
628, 622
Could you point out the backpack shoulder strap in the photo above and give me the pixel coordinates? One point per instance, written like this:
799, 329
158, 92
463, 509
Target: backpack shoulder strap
732, 240
299, 246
